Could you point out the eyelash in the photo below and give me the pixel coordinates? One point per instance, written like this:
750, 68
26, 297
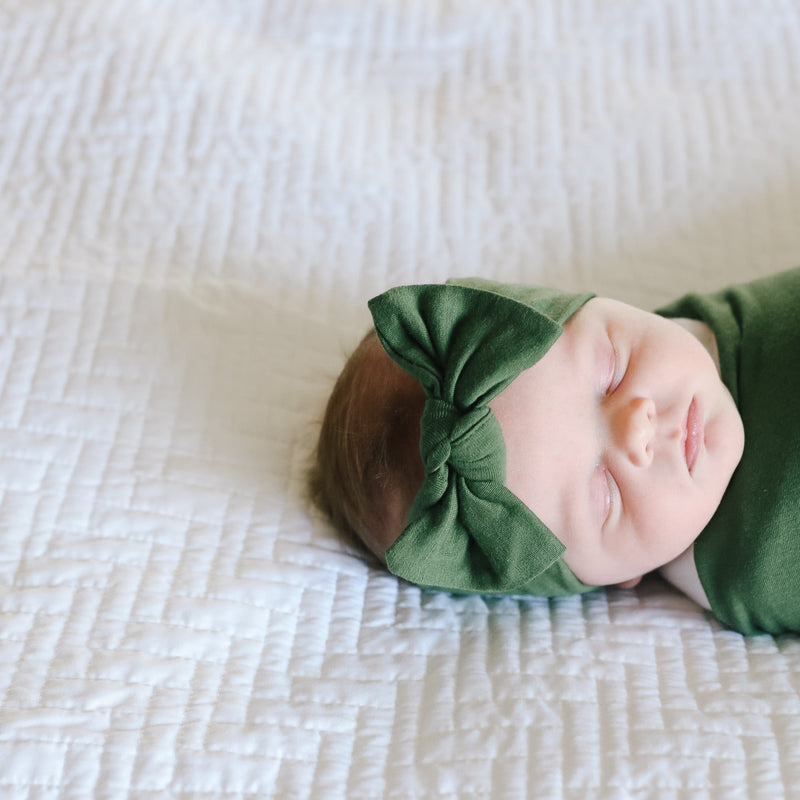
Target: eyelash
613, 383
610, 483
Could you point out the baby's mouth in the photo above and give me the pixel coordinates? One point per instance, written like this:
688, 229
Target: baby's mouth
694, 434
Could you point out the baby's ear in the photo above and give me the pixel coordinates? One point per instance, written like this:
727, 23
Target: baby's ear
630, 583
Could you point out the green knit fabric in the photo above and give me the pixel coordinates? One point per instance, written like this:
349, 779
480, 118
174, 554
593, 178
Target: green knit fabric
465, 342
748, 557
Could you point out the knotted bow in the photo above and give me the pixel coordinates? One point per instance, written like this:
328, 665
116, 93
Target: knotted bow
465, 342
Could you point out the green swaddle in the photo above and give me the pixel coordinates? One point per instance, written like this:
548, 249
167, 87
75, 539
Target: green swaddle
748, 557
465, 342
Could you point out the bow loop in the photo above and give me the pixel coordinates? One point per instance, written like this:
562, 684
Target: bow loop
465, 343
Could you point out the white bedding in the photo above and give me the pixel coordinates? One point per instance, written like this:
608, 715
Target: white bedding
196, 199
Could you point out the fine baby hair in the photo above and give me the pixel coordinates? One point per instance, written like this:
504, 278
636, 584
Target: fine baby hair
367, 466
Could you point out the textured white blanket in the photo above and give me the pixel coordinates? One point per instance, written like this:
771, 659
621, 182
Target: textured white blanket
196, 199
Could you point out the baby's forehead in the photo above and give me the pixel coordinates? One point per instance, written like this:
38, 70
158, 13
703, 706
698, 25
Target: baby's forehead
605, 314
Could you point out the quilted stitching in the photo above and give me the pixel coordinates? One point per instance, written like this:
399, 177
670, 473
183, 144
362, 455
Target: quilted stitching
196, 199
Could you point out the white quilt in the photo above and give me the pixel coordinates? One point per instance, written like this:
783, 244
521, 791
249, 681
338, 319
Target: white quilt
196, 199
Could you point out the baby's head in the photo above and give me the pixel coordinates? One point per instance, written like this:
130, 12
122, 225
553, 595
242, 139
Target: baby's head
617, 439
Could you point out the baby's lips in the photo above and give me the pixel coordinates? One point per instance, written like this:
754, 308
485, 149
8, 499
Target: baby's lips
694, 440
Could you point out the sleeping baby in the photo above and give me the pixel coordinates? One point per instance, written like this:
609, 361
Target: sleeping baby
500, 438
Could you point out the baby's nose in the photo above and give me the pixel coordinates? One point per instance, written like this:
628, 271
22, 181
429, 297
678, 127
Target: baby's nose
636, 430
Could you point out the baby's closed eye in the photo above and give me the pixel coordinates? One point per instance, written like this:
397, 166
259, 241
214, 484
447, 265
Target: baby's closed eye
603, 488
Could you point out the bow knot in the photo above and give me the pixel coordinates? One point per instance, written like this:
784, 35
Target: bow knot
468, 442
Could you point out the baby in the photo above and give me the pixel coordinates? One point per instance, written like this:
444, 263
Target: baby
499, 438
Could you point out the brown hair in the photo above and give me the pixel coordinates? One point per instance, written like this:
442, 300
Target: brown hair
367, 466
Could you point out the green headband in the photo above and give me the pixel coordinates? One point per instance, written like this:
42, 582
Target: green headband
465, 342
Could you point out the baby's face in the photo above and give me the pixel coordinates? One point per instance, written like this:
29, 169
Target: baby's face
622, 440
